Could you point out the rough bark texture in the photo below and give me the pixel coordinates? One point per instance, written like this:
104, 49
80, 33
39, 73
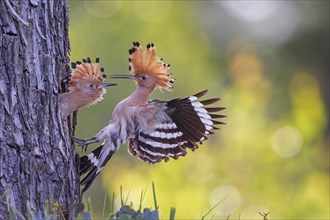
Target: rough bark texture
38, 169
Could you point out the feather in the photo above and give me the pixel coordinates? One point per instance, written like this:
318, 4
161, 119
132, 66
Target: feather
146, 62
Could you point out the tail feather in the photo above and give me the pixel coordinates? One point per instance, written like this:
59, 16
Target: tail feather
90, 164
88, 179
90, 160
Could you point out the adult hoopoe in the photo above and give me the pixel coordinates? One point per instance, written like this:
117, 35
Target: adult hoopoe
155, 130
85, 86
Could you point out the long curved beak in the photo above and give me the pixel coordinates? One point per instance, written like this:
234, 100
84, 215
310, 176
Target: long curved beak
107, 84
123, 76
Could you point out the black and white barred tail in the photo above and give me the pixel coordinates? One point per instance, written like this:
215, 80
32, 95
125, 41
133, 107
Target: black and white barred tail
190, 122
89, 164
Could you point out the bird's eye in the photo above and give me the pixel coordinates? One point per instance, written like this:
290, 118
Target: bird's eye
91, 85
143, 77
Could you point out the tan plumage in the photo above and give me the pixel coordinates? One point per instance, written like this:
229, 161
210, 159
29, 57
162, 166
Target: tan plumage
86, 72
147, 62
85, 87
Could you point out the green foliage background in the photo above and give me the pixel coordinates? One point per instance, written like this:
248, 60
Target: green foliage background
269, 63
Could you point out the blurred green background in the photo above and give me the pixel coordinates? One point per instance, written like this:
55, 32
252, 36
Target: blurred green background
269, 63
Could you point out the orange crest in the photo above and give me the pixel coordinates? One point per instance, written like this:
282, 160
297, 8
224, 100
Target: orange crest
86, 71
146, 62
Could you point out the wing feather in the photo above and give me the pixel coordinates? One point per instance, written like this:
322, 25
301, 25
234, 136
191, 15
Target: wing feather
176, 125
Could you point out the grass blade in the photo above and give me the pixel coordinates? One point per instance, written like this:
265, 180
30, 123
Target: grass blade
143, 195
89, 205
104, 203
204, 216
154, 193
129, 192
172, 213
113, 203
121, 196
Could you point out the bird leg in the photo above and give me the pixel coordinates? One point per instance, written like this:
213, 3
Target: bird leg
84, 142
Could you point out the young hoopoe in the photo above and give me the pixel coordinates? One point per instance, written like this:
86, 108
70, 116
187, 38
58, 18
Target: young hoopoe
85, 86
155, 130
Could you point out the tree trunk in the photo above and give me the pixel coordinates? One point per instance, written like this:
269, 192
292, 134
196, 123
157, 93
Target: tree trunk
38, 163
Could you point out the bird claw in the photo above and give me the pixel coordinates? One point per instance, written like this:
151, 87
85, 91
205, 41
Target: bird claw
84, 148
81, 143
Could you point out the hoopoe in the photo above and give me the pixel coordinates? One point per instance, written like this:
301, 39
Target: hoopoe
155, 130
85, 85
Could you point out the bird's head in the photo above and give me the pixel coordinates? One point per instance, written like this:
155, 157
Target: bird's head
87, 80
147, 69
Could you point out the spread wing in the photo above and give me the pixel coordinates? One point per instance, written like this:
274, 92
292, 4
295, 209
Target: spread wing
173, 127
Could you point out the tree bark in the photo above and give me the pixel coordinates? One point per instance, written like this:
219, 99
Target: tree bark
38, 163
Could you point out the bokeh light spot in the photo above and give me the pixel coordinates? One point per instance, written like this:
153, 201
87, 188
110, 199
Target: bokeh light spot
231, 200
202, 171
263, 18
251, 11
304, 86
308, 108
287, 142
103, 9
246, 68
152, 11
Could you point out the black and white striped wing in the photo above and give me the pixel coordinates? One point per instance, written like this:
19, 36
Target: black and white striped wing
187, 124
